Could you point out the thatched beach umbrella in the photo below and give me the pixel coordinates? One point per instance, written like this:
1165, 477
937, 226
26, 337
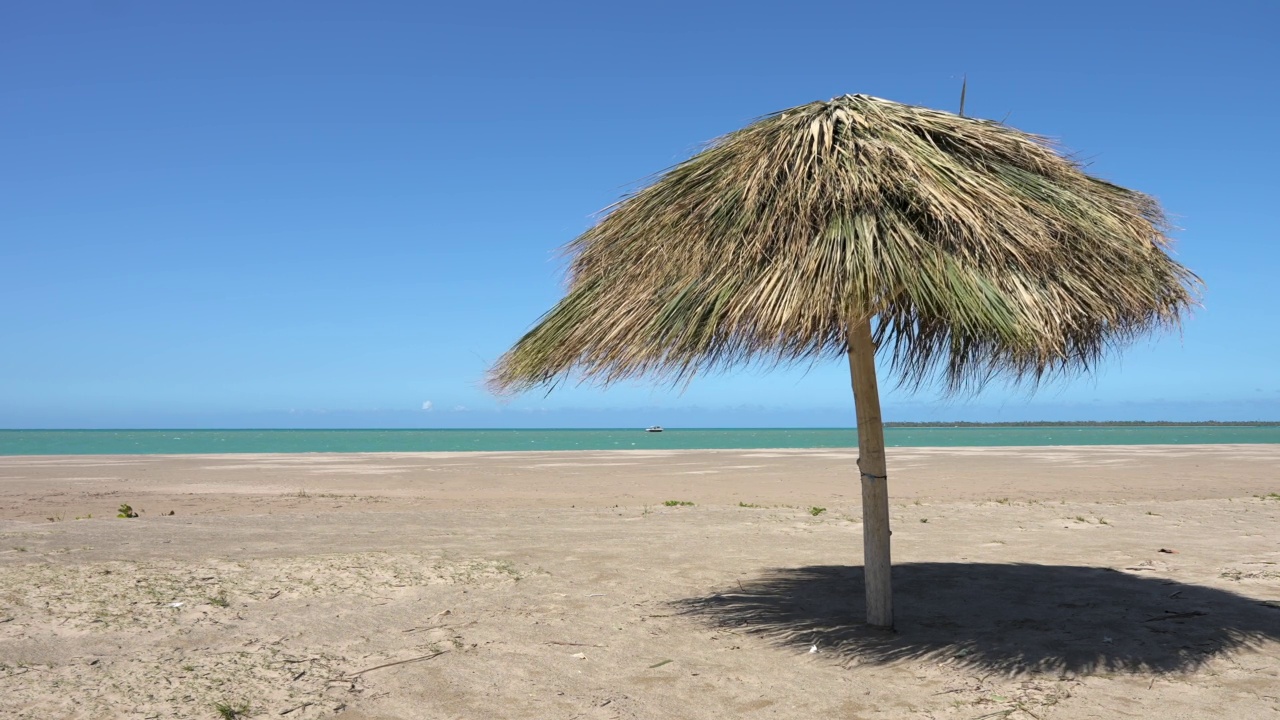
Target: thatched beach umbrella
959, 248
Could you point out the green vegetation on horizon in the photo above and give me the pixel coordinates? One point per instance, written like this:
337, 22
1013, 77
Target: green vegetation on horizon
1089, 423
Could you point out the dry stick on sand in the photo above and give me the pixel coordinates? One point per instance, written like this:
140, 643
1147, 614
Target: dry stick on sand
1177, 616
392, 664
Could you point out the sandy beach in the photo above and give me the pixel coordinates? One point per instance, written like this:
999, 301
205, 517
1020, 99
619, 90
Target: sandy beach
1031, 583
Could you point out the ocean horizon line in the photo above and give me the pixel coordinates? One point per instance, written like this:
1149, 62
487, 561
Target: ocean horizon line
197, 441
957, 425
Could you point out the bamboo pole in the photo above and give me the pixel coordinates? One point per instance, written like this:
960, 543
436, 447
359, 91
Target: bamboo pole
872, 468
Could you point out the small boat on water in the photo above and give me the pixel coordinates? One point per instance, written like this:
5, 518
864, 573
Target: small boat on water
654, 428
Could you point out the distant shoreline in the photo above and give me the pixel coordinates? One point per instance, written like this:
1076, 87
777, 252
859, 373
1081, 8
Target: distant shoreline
959, 424
1086, 423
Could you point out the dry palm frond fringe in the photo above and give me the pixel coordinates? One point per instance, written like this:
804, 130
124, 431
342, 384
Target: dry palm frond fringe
977, 249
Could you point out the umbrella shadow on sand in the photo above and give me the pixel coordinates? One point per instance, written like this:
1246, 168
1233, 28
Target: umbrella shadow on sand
1008, 618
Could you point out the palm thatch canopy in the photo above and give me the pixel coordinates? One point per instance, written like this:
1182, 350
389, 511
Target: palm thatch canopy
975, 248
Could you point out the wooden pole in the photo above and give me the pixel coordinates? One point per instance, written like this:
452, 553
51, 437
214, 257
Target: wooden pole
871, 466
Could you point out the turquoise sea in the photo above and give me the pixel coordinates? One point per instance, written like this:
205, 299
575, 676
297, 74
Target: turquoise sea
152, 442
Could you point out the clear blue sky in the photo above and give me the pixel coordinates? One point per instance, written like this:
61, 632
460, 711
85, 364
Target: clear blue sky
328, 214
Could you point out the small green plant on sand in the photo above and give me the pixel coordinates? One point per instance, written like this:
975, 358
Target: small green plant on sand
748, 505
1270, 496
229, 711
677, 503
924, 520
126, 511
220, 599
816, 511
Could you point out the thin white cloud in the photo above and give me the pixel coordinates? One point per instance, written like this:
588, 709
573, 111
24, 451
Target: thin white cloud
427, 405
